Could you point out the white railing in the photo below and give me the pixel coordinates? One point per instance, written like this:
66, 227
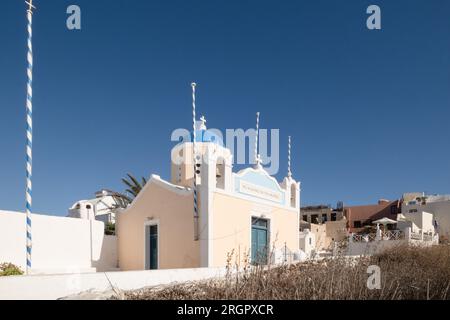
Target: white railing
427, 237
393, 235
363, 237
416, 235
388, 235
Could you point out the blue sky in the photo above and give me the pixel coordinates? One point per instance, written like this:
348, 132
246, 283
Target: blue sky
368, 110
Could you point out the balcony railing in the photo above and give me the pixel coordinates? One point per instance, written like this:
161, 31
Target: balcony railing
393, 235
388, 235
416, 235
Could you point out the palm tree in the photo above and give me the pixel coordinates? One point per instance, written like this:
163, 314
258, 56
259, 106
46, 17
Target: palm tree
133, 185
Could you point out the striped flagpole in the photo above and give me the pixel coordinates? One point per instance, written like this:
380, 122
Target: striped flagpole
289, 157
29, 156
257, 156
194, 146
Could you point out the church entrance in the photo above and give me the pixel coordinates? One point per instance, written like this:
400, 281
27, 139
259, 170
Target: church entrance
260, 237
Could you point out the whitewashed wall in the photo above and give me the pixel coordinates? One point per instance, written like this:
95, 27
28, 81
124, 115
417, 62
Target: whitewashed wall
50, 287
374, 247
60, 244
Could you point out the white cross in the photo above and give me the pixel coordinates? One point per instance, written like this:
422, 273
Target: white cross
30, 5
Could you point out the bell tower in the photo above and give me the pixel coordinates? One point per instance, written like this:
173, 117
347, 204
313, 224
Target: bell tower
213, 165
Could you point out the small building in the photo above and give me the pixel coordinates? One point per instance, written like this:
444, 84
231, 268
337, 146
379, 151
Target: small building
359, 217
325, 234
103, 207
307, 243
438, 205
419, 223
410, 229
320, 214
239, 216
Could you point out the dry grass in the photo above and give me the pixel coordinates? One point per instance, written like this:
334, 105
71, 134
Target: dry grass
406, 273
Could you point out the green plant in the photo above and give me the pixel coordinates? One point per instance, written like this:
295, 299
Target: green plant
9, 269
134, 186
110, 229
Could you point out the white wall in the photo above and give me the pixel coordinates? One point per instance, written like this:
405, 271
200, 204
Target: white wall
46, 287
372, 247
60, 244
307, 242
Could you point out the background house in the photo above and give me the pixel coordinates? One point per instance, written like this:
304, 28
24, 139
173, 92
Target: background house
321, 213
103, 207
438, 205
359, 217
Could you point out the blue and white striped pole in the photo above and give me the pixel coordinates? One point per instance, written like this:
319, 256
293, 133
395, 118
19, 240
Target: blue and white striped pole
257, 156
289, 158
194, 136
29, 156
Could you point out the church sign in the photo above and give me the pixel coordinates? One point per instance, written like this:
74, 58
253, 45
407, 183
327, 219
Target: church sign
259, 191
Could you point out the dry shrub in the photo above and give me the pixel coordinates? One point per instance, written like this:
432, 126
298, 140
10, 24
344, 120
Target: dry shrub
9, 269
406, 273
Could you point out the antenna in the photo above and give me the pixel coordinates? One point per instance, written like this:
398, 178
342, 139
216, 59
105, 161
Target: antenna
29, 147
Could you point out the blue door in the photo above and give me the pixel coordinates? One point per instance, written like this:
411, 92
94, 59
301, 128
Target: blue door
259, 241
152, 247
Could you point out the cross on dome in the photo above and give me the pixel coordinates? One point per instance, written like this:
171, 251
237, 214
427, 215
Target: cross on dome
201, 124
30, 5
203, 120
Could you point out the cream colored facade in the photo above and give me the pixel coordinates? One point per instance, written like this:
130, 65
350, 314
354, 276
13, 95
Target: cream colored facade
229, 206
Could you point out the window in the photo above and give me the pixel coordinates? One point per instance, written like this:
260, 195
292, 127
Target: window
412, 210
333, 216
220, 174
314, 218
293, 195
310, 241
305, 217
324, 217
259, 222
357, 224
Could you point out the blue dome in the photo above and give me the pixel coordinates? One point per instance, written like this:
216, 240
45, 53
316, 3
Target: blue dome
205, 136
